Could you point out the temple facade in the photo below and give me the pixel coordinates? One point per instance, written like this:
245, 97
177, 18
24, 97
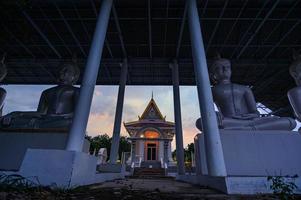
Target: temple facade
151, 136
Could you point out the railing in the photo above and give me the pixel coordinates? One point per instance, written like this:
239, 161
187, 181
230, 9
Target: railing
134, 164
164, 166
132, 168
162, 163
140, 161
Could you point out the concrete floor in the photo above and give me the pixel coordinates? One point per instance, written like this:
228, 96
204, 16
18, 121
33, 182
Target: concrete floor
165, 185
132, 189
167, 189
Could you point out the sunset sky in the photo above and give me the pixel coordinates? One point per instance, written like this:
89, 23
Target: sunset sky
25, 98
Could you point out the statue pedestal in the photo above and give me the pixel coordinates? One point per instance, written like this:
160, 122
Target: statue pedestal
247, 185
13, 145
110, 168
257, 153
62, 168
250, 157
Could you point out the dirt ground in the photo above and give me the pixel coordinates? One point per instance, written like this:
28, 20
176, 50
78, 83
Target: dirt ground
136, 189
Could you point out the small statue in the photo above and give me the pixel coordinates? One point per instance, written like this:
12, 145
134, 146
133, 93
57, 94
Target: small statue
56, 105
294, 94
3, 73
236, 104
102, 156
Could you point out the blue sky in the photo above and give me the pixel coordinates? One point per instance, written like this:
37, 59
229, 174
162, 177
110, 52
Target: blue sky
26, 98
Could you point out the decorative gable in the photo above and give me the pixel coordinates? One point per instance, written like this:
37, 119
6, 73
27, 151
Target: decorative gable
152, 111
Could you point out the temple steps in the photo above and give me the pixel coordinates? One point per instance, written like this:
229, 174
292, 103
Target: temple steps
150, 164
143, 172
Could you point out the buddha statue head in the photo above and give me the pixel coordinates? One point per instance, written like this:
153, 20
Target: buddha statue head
69, 73
295, 69
3, 69
220, 70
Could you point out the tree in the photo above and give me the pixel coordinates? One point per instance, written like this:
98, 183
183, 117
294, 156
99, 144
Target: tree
104, 141
187, 153
100, 141
124, 145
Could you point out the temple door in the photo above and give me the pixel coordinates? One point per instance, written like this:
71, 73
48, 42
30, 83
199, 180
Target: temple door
151, 151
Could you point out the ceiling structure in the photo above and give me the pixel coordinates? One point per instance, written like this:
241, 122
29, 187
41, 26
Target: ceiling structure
258, 36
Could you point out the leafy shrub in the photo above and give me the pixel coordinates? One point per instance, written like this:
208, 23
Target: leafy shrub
283, 187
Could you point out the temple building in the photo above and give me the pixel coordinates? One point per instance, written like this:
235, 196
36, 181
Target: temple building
151, 136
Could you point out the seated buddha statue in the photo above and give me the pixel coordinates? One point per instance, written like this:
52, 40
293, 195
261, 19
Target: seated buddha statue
56, 105
237, 105
294, 94
3, 73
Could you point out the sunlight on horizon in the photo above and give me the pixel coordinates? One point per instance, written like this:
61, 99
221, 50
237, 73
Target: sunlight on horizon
102, 113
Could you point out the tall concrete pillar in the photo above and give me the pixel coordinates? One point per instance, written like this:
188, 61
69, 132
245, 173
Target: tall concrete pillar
118, 114
178, 118
78, 128
215, 157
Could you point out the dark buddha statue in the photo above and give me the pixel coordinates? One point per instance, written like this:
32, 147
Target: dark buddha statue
3, 73
294, 94
237, 105
56, 105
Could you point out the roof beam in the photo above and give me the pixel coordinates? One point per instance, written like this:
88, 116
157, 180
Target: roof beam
27, 50
165, 30
181, 31
54, 29
295, 45
18, 41
106, 41
119, 31
249, 27
274, 19
81, 21
205, 7
234, 24
149, 28
257, 29
124, 52
283, 37
217, 25
70, 30
277, 26
36, 27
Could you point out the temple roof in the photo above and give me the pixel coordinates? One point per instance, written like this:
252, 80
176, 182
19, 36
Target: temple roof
150, 116
152, 111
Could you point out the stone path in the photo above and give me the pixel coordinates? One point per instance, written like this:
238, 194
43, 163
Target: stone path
165, 185
134, 189
169, 189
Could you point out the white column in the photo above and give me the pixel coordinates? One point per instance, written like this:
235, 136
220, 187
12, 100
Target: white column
78, 128
133, 151
166, 151
118, 114
141, 149
215, 157
178, 118
169, 152
161, 150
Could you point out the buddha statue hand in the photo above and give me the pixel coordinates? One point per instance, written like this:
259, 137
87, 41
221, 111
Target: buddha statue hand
7, 120
246, 116
219, 118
